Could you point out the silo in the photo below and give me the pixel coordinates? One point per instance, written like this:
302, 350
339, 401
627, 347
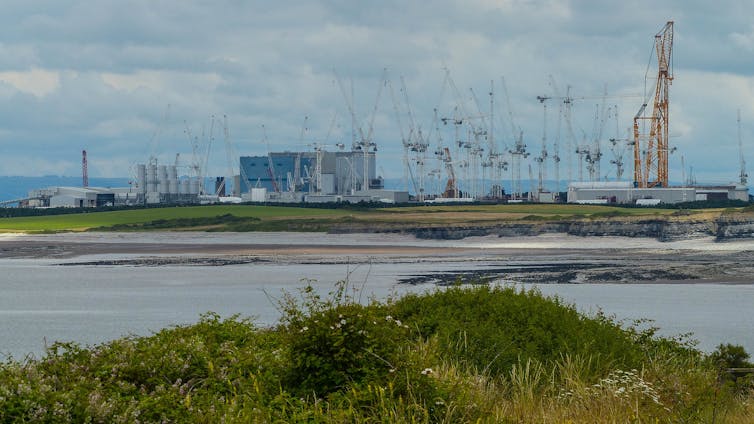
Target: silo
173, 179
151, 178
194, 186
141, 178
173, 187
162, 173
183, 186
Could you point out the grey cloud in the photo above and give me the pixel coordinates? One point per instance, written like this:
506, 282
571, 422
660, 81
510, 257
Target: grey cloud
272, 64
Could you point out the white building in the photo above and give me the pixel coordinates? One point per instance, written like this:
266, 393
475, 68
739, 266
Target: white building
625, 193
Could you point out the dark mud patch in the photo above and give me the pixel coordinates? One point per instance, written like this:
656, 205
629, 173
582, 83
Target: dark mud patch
558, 273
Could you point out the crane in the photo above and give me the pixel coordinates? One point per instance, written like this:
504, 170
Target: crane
196, 164
518, 151
618, 145
451, 188
418, 146
543, 153
651, 170
270, 164
404, 140
365, 143
743, 176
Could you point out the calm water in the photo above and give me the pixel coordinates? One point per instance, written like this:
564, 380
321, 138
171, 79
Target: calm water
41, 302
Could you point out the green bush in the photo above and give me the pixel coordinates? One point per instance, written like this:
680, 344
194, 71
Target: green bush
479, 354
493, 328
337, 342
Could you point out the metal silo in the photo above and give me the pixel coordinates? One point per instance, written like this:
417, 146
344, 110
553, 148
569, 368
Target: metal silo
152, 178
141, 178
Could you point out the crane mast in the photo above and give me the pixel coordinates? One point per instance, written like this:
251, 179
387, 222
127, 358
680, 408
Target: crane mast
451, 188
651, 163
742, 175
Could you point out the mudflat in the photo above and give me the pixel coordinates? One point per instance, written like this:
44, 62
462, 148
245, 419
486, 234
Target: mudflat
548, 258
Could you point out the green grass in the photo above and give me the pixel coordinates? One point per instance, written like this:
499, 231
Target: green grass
476, 355
85, 221
280, 218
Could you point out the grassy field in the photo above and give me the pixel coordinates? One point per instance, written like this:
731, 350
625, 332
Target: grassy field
276, 218
86, 221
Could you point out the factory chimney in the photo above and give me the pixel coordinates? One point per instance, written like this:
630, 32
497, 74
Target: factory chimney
84, 170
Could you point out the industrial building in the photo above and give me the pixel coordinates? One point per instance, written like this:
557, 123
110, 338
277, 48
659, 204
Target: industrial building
624, 192
314, 176
318, 172
317, 176
78, 197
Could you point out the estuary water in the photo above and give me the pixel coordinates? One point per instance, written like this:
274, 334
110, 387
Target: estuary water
42, 301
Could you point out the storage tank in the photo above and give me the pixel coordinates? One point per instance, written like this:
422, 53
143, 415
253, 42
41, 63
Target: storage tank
172, 172
173, 186
194, 186
141, 178
162, 174
258, 194
183, 186
151, 178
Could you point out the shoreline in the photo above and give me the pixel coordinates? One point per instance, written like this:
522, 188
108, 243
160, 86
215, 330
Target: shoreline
544, 259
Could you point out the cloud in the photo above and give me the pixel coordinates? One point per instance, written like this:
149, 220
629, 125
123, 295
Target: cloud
744, 40
100, 75
35, 81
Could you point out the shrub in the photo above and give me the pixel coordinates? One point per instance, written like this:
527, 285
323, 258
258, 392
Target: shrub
338, 342
490, 329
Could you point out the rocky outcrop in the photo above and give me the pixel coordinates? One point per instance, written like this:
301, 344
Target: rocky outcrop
656, 228
663, 229
732, 227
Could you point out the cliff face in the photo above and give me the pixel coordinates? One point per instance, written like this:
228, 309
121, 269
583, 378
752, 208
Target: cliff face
734, 227
658, 229
725, 227
668, 229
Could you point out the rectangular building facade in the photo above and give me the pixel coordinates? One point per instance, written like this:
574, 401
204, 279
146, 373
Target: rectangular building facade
342, 172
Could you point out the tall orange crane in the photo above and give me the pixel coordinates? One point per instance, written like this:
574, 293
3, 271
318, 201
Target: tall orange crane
651, 170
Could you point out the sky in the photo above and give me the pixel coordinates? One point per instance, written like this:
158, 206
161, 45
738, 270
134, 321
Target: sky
126, 80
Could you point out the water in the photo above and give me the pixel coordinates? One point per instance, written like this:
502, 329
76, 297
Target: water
714, 313
42, 302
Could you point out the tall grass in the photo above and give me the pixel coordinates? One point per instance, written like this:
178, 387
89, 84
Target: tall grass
498, 355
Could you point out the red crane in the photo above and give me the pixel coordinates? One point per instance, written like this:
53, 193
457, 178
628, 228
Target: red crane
84, 169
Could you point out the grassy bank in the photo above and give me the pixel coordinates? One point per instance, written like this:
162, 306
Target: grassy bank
280, 218
462, 355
